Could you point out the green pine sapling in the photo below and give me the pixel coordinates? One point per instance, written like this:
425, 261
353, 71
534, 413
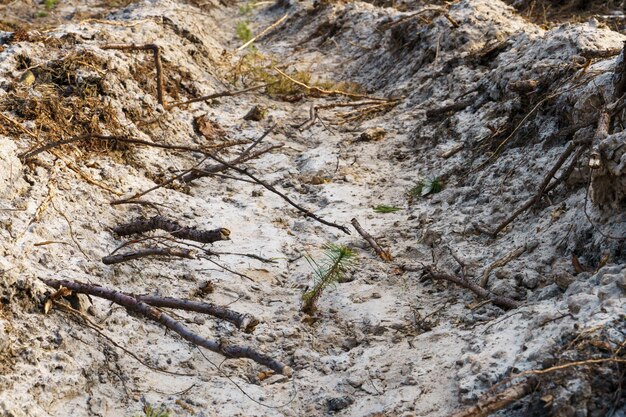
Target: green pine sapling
338, 260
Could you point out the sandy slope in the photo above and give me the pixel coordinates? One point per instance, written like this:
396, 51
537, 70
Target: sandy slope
369, 350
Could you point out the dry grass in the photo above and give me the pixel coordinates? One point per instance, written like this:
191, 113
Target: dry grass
60, 98
256, 68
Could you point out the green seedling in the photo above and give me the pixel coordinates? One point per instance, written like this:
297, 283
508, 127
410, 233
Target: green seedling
429, 185
338, 260
386, 209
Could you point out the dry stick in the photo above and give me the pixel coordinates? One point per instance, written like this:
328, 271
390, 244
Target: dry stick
489, 405
504, 302
540, 191
264, 32
133, 304
142, 253
157, 62
243, 321
515, 253
330, 92
602, 131
19, 126
227, 93
271, 188
384, 255
175, 229
208, 171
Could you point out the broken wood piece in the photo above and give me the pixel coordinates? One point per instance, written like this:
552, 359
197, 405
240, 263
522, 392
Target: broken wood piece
384, 255
500, 301
175, 229
602, 131
156, 51
143, 253
243, 321
451, 151
492, 403
264, 32
514, 254
131, 303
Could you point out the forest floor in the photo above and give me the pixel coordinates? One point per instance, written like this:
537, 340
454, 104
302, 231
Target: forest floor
429, 124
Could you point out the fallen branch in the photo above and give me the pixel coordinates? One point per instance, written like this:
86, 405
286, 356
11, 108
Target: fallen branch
418, 13
273, 189
175, 229
29, 154
133, 304
489, 405
245, 322
143, 253
504, 302
384, 255
264, 32
156, 51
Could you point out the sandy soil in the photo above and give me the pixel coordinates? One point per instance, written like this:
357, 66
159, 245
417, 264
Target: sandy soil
390, 340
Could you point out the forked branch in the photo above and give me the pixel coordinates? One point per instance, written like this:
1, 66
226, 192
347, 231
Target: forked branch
134, 304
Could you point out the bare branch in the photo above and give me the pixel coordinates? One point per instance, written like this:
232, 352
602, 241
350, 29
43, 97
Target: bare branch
142, 253
133, 304
175, 229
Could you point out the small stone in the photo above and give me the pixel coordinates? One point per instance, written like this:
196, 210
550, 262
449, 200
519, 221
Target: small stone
256, 114
265, 338
621, 282
372, 134
338, 403
563, 279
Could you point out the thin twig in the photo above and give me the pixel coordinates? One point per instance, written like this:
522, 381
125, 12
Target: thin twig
271, 188
264, 32
542, 187
93, 326
330, 92
226, 93
504, 302
156, 51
